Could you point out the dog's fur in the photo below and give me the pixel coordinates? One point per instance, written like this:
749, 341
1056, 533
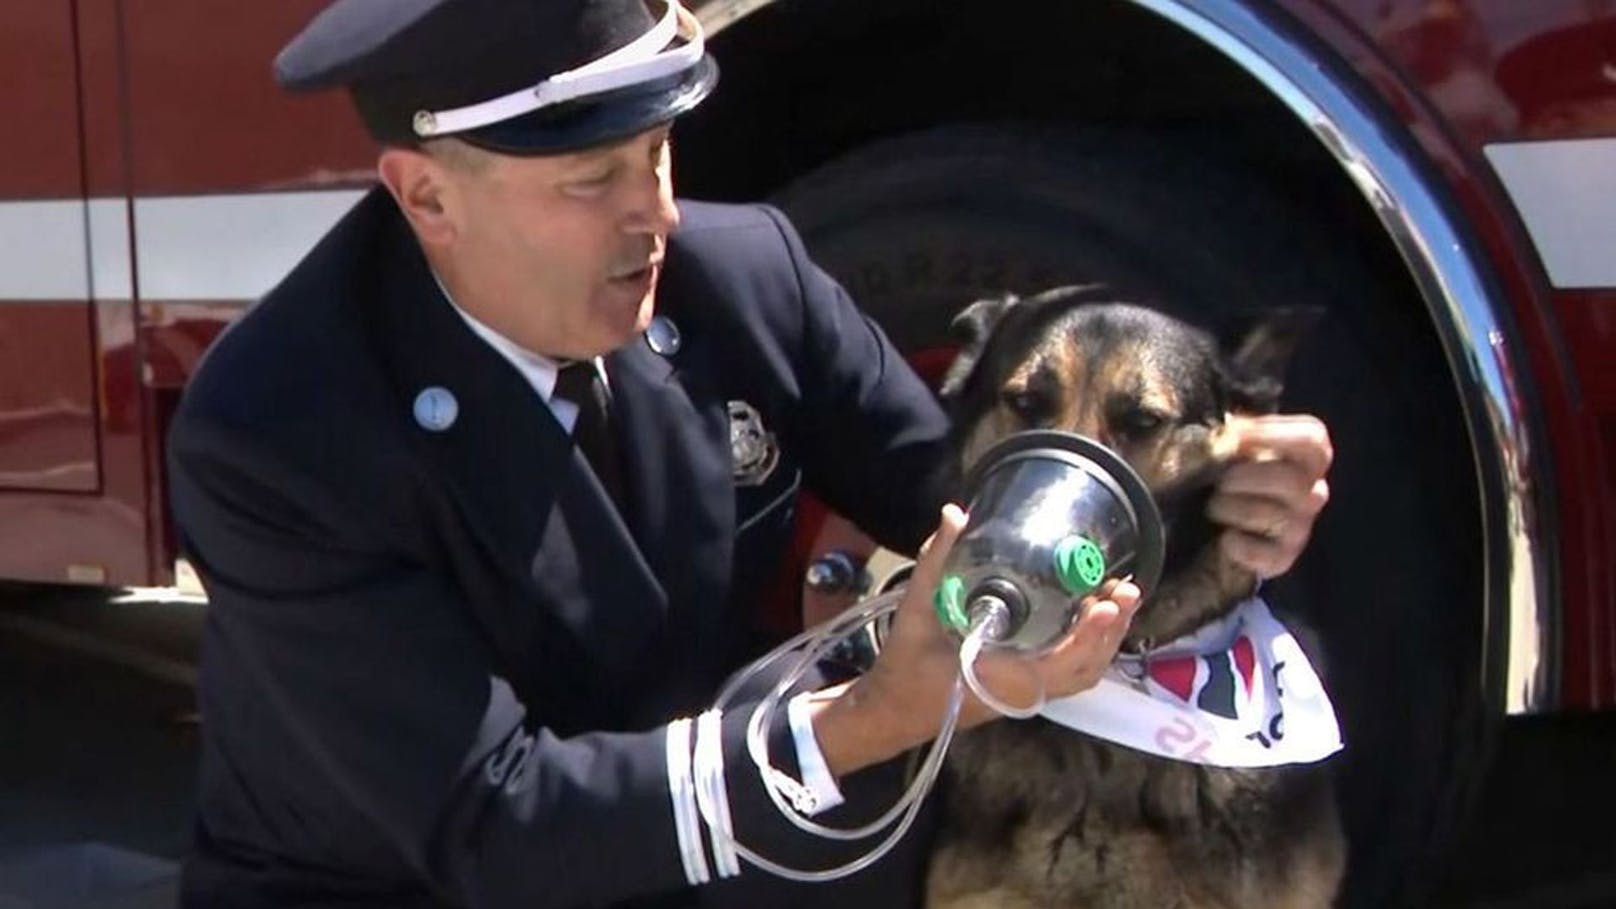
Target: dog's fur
1037, 816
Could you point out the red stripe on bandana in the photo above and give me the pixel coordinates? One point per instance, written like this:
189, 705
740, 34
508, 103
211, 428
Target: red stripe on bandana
1245, 660
1176, 675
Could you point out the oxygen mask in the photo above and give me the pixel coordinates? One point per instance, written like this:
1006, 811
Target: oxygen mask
1053, 515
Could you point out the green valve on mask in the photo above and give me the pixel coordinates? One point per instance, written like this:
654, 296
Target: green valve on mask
1079, 564
950, 602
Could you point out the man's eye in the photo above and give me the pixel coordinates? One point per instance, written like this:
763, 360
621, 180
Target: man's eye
592, 183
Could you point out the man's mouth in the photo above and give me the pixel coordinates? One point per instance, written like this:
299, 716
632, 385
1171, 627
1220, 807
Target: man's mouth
634, 273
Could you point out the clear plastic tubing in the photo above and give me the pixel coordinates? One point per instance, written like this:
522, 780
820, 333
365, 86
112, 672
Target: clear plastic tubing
807, 648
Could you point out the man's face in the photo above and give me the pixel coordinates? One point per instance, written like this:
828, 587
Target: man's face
561, 253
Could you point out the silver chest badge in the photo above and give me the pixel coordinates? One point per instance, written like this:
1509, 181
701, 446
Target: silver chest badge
436, 408
752, 448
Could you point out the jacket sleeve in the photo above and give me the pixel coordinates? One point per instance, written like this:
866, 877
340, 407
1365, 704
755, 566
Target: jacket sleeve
380, 721
874, 438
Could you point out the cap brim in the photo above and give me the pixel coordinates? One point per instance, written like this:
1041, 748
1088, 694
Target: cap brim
599, 120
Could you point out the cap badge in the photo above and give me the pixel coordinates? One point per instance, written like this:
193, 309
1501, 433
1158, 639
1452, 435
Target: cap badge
436, 409
753, 450
663, 337
425, 123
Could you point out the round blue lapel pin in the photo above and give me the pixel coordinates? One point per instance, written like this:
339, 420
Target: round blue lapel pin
436, 408
663, 336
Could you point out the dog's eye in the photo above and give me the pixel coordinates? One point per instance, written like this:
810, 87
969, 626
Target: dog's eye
1139, 422
1027, 404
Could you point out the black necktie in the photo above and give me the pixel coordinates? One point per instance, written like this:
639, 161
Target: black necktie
581, 383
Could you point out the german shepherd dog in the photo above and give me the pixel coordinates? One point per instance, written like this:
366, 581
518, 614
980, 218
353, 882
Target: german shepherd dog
1035, 815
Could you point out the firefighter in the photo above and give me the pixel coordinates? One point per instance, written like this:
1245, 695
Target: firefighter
486, 490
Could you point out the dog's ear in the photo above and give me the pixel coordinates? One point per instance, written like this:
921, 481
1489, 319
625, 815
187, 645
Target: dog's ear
1253, 376
971, 329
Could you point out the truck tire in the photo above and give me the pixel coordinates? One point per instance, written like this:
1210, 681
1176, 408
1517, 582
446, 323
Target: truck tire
920, 225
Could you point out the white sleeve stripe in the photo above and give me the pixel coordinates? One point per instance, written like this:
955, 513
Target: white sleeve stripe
714, 793
720, 782
682, 793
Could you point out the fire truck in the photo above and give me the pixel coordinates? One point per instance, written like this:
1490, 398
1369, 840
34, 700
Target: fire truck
1439, 175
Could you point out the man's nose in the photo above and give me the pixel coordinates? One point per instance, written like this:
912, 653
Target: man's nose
654, 210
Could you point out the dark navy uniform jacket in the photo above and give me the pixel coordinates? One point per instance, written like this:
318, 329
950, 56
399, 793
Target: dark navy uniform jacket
438, 665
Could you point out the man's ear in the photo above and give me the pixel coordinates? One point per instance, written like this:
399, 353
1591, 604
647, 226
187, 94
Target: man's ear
1253, 376
971, 329
418, 183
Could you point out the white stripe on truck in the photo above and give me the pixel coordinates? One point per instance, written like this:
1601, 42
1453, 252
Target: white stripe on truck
219, 247
1565, 191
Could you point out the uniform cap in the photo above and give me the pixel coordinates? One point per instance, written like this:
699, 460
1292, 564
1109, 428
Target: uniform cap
514, 76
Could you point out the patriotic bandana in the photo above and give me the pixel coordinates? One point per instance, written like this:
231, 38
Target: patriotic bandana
1237, 693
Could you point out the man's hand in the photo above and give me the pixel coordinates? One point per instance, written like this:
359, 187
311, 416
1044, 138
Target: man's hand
900, 702
1269, 498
